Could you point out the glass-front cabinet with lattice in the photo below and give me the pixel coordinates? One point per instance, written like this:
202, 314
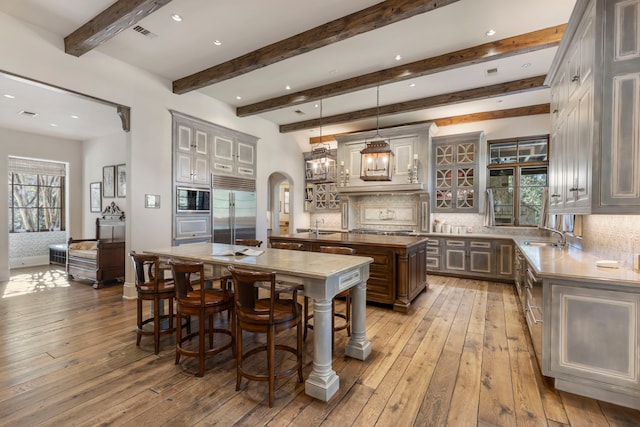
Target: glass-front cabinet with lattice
321, 189
458, 175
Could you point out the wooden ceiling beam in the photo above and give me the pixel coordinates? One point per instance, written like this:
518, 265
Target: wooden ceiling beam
500, 89
371, 18
529, 110
524, 43
118, 17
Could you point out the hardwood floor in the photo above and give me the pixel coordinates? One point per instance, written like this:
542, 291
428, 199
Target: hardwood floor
459, 358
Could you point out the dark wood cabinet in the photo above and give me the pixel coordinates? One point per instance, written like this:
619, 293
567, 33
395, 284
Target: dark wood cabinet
398, 273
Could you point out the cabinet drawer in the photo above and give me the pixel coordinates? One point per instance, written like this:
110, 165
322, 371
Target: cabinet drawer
456, 243
486, 245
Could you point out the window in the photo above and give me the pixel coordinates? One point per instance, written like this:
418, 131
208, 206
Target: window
36, 196
517, 176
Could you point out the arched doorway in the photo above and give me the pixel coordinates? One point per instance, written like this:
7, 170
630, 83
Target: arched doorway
280, 204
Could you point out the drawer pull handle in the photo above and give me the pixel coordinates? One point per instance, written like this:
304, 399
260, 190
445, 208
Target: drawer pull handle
533, 316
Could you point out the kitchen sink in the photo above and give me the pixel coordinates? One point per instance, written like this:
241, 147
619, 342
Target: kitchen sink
552, 244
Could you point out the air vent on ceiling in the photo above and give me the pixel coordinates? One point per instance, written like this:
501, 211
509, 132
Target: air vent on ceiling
302, 113
144, 31
492, 71
27, 113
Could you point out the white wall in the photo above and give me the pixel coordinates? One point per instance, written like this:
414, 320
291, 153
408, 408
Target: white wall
21, 144
109, 150
148, 145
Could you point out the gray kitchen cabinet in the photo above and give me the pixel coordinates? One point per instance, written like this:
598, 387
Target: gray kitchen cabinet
504, 258
469, 256
458, 168
595, 143
191, 152
191, 228
233, 155
590, 339
455, 255
434, 254
325, 197
481, 257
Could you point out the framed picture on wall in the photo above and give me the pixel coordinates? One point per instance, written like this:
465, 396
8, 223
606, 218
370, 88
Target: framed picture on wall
108, 181
121, 180
95, 197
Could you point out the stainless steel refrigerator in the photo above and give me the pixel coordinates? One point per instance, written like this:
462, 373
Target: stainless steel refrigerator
234, 215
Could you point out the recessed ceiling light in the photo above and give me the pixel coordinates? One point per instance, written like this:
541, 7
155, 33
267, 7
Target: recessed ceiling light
526, 65
217, 42
238, 97
398, 58
176, 17
6, 95
287, 87
316, 105
73, 116
491, 32
412, 85
53, 125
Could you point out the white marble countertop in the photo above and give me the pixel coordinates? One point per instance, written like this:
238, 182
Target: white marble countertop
571, 263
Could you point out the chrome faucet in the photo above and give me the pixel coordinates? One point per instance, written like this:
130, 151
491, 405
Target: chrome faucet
562, 242
318, 221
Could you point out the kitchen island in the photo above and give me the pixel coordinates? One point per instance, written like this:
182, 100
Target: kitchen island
398, 273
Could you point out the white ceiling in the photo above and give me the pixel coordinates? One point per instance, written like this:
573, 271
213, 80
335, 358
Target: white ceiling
181, 49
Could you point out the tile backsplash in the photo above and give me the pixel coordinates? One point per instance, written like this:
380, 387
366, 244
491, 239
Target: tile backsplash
615, 237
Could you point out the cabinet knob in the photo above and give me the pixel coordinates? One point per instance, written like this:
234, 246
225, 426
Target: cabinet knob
555, 111
576, 189
555, 195
575, 78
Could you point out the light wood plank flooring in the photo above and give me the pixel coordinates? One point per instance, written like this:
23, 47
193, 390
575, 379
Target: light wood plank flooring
459, 358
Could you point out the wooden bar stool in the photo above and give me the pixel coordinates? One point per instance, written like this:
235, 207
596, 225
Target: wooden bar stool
194, 299
151, 286
265, 316
249, 242
346, 294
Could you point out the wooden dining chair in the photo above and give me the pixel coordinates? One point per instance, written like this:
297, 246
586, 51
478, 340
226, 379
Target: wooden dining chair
288, 245
193, 298
249, 242
346, 294
151, 286
268, 316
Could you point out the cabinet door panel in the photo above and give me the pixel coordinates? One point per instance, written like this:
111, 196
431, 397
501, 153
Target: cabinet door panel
201, 142
480, 262
183, 167
184, 138
596, 334
455, 259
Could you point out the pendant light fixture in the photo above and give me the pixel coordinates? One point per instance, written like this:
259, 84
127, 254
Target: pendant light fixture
377, 158
320, 165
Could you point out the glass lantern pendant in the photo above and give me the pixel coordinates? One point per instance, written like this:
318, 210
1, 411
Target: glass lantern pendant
377, 159
377, 162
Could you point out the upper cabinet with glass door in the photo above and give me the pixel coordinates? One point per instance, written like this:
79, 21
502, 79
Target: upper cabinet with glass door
458, 173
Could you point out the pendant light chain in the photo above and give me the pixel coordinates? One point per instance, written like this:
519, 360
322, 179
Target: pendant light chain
321, 121
378, 111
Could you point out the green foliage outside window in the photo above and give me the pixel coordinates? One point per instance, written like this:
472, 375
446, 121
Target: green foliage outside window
35, 202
